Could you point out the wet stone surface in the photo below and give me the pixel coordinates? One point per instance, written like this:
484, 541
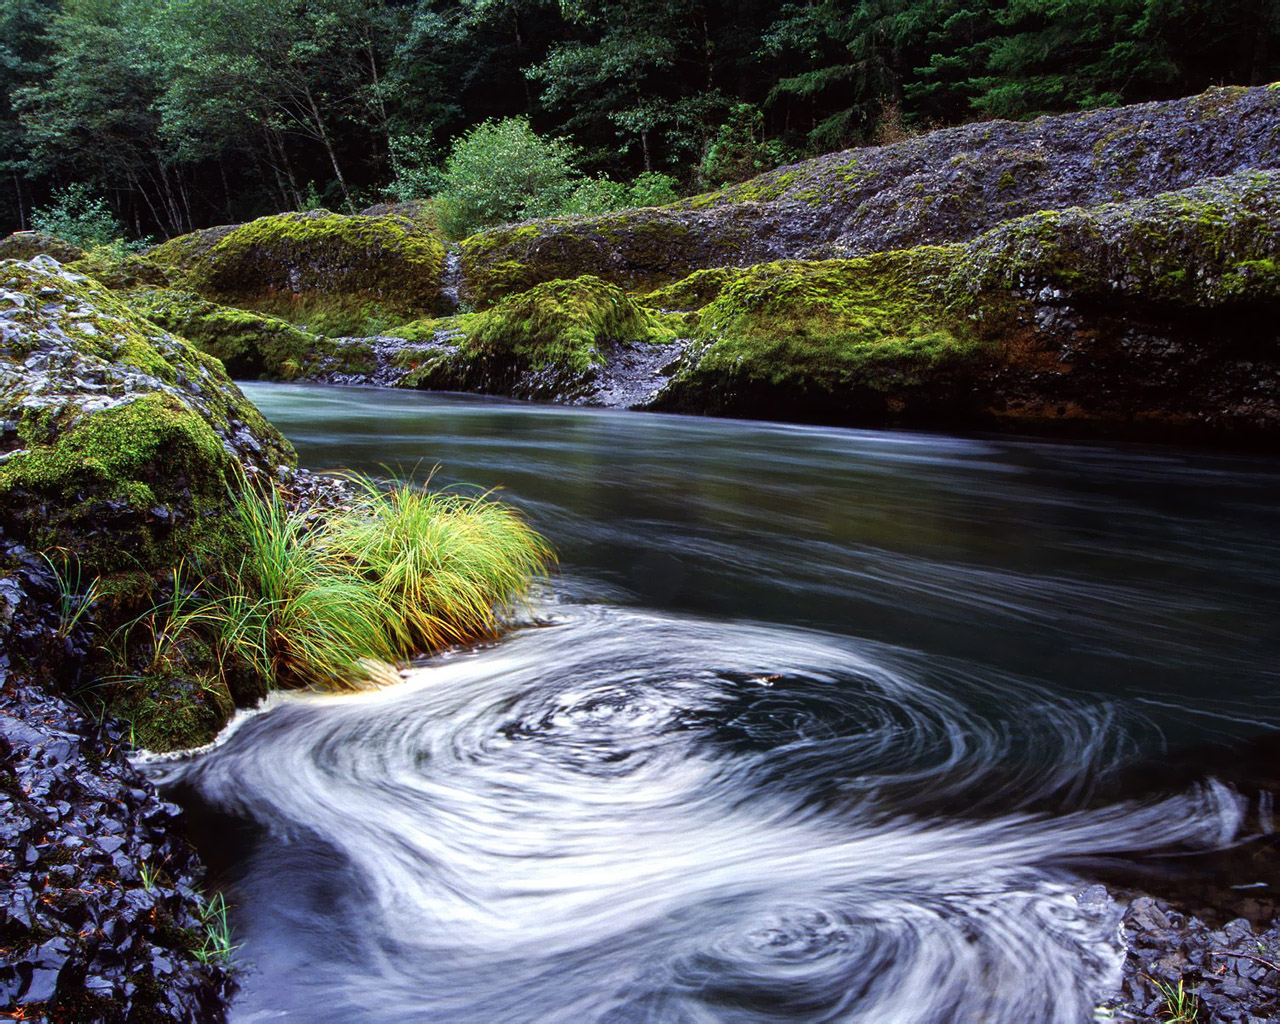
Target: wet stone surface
1232, 973
100, 914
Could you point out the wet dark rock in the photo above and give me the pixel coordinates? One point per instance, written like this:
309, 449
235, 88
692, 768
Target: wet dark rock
1233, 973
99, 914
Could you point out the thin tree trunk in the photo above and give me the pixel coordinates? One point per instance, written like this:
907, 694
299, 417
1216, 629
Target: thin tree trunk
226, 187
328, 148
22, 210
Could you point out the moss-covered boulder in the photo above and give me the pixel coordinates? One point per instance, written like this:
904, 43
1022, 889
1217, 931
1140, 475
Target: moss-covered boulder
946, 186
181, 254
250, 345
816, 339
24, 245
336, 274
637, 249
550, 342
119, 269
1151, 313
121, 447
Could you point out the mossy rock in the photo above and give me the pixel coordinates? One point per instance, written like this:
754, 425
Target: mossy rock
818, 337
142, 484
23, 245
1157, 310
946, 186
170, 709
336, 274
181, 254
546, 342
250, 345
121, 447
635, 249
119, 270
1209, 245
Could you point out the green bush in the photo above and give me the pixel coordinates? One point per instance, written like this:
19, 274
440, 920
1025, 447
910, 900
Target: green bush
597, 195
653, 188
503, 171
79, 217
739, 150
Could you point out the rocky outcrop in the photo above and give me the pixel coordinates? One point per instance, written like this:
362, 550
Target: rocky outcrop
1148, 313
947, 186
120, 446
556, 341
336, 274
24, 245
120, 441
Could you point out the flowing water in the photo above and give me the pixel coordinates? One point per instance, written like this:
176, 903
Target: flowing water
812, 725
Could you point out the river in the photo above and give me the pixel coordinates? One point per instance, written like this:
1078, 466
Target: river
812, 724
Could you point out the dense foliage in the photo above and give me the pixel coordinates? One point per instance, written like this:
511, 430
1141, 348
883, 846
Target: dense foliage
181, 113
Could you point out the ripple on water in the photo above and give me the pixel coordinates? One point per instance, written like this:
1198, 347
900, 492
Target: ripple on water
631, 817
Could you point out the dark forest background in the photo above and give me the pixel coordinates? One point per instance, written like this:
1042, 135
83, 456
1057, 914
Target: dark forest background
176, 114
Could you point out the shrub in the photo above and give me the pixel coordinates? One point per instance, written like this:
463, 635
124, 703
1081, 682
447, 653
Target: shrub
739, 150
502, 171
653, 188
79, 217
597, 195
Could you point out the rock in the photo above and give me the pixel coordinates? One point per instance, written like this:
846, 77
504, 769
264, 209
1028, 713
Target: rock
1152, 313
336, 274
23, 245
947, 186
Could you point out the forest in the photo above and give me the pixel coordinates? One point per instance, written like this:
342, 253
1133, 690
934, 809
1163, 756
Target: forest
163, 116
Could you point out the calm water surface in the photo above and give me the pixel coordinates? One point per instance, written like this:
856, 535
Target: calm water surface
812, 725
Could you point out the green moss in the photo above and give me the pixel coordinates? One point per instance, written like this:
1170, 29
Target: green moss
140, 485
248, 344
551, 335
692, 292
562, 323
181, 254
879, 323
170, 709
336, 274
636, 249
118, 269
1198, 247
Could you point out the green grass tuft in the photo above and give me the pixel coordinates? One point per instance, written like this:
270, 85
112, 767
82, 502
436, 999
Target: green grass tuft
399, 573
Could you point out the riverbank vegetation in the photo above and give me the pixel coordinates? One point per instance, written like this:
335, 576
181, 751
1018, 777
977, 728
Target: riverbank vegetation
330, 598
155, 117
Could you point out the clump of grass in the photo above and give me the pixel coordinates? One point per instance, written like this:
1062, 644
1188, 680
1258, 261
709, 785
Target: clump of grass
1180, 1006
75, 600
216, 947
397, 573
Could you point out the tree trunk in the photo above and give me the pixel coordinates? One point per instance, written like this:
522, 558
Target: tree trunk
22, 210
323, 135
